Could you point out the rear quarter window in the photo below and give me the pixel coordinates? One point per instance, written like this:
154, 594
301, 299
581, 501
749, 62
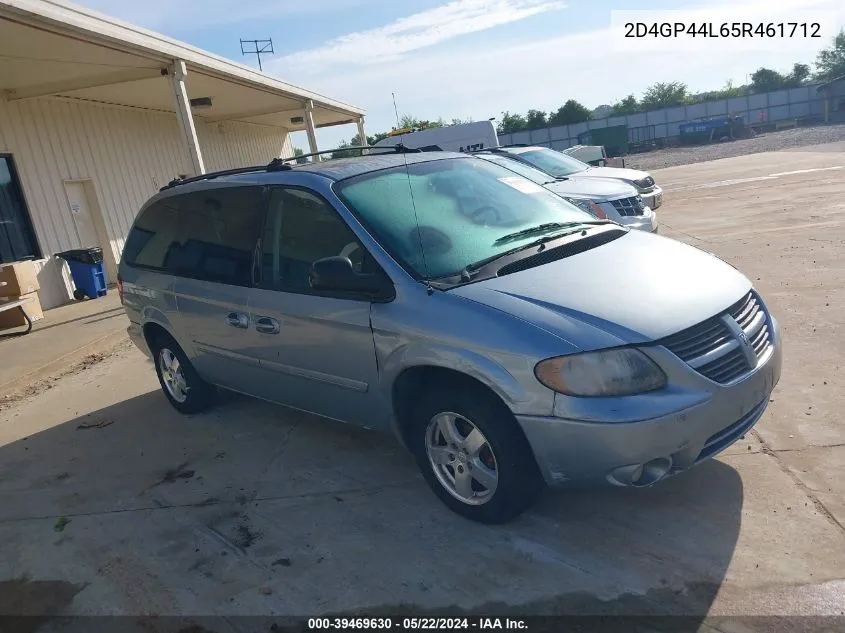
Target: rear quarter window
208, 235
155, 230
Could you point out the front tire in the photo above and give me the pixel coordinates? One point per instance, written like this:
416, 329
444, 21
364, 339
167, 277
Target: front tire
473, 455
180, 382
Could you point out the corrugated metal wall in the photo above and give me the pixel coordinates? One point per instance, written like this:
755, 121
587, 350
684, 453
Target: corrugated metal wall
127, 154
779, 105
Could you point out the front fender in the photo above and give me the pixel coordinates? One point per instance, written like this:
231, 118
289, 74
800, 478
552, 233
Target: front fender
509, 383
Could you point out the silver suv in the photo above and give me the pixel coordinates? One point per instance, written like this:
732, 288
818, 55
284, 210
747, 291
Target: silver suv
603, 198
506, 337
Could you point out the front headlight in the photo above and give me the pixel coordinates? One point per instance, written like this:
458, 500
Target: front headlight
644, 183
612, 372
588, 206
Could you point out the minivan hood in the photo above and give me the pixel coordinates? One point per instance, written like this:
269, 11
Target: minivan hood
622, 173
638, 288
594, 188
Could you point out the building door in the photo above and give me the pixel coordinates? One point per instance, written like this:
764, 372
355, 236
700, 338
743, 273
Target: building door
89, 223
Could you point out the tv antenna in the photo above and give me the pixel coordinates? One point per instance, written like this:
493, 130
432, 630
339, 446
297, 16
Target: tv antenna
257, 48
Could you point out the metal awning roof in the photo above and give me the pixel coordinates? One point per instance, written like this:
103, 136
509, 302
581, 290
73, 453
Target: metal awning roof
51, 47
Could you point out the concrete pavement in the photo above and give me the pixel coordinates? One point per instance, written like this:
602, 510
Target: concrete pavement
63, 338
114, 503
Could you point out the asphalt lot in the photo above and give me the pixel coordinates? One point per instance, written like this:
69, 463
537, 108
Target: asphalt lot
112, 503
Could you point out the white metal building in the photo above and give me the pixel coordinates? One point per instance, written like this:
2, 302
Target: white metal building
97, 114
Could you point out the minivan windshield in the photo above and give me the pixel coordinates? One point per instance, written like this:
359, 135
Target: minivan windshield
441, 216
555, 163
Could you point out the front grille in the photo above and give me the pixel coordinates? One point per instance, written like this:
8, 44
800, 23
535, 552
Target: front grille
751, 317
629, 206
728, 345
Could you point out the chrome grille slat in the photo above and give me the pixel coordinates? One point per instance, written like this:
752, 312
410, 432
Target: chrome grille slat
700, 348
743, 314
761, 346
695, 336
723, 362
726, 374
713, 355
755, 325
749, 316
729, 373
628, 206
714, 350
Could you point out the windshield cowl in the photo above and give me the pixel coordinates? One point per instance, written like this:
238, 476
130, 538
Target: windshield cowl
488, 268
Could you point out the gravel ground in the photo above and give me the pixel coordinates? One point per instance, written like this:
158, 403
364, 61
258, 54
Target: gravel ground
769, 142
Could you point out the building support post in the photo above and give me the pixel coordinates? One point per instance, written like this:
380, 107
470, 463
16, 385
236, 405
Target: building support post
310, 130
362, 136
177, 73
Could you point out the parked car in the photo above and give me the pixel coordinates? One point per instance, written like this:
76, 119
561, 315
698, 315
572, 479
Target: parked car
603, 198
561, 165
507, 338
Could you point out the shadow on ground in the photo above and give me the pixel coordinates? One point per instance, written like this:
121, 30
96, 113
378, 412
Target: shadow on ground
253, 510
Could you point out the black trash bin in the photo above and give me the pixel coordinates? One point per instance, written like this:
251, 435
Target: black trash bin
87, 270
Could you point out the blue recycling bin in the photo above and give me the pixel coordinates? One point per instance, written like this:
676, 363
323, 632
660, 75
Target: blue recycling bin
87, 271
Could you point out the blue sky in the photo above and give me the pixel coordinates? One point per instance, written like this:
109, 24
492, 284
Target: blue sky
474, 58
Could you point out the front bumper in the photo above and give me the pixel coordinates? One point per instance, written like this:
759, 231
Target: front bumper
654, 198
639, 440
645, 222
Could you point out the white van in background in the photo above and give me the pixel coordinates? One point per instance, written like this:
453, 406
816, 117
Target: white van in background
464, 137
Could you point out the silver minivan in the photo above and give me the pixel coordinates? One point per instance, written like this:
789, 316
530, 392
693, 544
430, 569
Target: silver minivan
507, 338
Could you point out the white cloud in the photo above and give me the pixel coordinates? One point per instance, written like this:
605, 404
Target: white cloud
392, 42
194, 15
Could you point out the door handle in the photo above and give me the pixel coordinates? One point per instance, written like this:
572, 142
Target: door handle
238, 320
266, 325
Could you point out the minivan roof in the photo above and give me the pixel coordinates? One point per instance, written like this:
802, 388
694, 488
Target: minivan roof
334, 169
342, 168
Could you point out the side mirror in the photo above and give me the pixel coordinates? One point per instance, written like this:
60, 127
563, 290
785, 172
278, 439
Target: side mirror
335, 274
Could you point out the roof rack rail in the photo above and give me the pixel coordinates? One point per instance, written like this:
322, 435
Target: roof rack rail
274, 165
283, 164
516, 145
396, 149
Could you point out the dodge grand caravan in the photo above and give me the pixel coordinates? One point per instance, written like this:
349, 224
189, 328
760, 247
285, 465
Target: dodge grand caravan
502, 334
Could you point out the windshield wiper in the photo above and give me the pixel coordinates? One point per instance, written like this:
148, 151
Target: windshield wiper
469, 269
540, 228
546, 228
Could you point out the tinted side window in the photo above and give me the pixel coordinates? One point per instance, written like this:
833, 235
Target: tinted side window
217, 235
154, 232
207, 235
301, 228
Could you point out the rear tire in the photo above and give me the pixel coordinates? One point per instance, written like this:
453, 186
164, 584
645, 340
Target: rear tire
448, 427
181, 384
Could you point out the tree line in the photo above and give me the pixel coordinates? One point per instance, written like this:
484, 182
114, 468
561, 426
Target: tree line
829, 65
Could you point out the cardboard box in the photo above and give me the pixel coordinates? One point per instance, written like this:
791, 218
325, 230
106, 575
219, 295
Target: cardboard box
17, 279
13, 317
